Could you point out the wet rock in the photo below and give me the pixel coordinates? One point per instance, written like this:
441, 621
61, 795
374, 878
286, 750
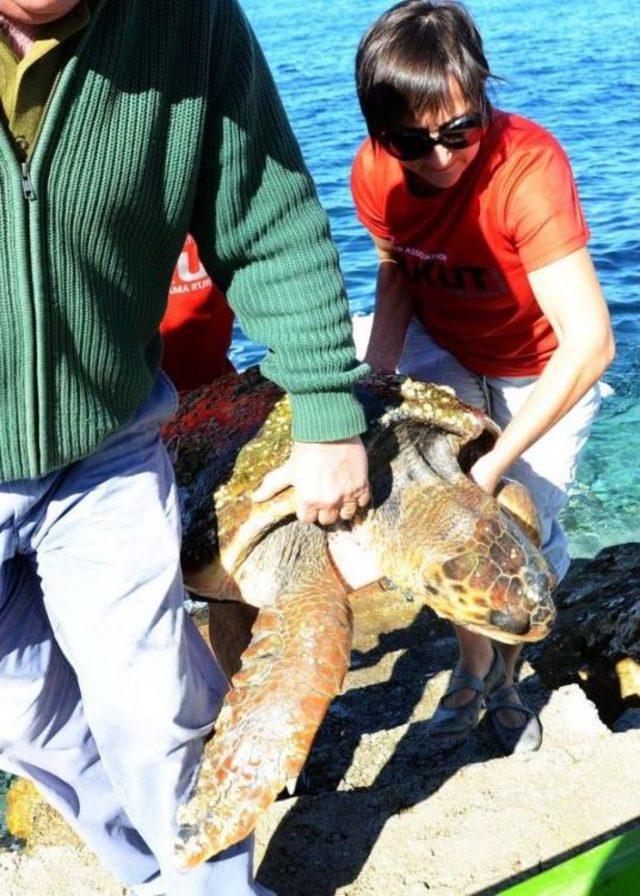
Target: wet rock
596, 639
628, 721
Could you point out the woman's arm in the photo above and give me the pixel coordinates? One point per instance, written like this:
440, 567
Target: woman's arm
569, 294
393, 311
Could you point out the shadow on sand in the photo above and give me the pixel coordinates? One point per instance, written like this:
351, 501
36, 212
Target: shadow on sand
323, 843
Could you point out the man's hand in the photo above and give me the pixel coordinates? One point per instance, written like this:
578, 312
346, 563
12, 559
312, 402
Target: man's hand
329, 478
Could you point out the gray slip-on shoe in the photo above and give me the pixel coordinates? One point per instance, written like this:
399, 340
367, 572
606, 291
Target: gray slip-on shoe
459, 721
523, 738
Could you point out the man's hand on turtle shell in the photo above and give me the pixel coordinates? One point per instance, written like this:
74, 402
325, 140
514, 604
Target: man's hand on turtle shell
329, 478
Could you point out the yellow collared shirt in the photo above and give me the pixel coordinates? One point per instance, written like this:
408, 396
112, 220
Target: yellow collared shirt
25, 84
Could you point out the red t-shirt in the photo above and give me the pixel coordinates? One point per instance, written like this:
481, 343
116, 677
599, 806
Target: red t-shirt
466, 250
197, 324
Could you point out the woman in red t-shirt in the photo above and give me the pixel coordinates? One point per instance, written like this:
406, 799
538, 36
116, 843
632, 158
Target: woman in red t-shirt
484, 284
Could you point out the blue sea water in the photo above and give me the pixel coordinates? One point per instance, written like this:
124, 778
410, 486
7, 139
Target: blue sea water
575, 68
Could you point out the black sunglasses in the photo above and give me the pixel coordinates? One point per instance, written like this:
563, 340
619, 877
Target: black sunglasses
409, 144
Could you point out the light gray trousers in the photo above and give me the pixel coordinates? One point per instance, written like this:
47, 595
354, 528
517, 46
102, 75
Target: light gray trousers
106, 687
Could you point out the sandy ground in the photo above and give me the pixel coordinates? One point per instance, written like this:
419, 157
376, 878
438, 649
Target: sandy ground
385, 809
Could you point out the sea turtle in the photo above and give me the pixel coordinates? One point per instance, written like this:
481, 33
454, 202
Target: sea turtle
429, 530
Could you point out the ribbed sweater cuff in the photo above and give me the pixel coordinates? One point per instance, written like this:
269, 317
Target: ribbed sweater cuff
326, 416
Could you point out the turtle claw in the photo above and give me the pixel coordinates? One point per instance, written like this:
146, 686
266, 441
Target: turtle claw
186, 855
300, 783
291, 785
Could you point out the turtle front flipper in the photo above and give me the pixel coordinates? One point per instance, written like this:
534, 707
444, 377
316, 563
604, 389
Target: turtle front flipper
291, 671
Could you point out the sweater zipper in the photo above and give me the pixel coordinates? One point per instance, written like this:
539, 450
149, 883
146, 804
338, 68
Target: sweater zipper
29, 194
31, 382
27, 186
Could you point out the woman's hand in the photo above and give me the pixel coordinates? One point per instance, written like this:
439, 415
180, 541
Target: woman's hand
487, 472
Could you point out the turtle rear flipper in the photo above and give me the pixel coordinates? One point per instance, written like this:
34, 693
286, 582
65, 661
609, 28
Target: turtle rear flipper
291, 671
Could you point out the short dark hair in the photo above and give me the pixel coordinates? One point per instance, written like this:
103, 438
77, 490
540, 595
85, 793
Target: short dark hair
406, 60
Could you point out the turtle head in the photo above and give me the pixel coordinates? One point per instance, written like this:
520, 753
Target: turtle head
471, 557
493, 579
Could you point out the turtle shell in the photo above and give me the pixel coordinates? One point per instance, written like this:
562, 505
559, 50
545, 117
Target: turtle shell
225, 437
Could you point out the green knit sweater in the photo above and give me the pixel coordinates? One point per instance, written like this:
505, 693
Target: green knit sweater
164, 120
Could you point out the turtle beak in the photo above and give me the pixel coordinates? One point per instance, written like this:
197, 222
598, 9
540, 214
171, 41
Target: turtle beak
511, 623
520, 624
